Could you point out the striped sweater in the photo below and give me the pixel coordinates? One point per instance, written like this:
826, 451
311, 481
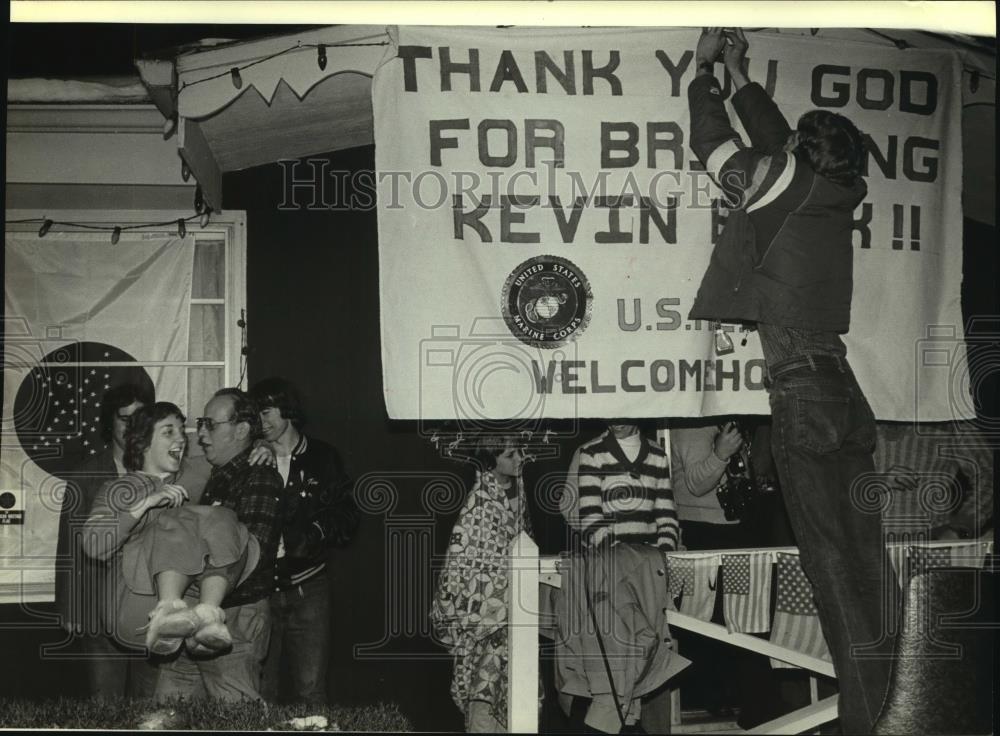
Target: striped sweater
631, 501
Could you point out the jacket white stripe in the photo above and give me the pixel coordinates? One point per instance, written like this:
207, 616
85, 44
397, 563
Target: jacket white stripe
718, 158
782, 183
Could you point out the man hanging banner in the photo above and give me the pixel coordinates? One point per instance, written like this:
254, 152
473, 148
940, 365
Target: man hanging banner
543, 225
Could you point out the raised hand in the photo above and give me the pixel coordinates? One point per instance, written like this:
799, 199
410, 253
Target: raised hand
710, 45
728, 442
735, 53
169, 495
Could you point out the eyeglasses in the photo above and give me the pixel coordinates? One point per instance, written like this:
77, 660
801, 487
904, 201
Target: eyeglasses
210, 424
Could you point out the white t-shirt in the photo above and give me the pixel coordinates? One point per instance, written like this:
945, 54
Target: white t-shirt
631, 445
284, 465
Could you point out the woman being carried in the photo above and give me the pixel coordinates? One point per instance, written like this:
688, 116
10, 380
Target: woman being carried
158, 550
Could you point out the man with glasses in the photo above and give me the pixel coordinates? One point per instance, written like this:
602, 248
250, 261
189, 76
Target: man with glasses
226, 434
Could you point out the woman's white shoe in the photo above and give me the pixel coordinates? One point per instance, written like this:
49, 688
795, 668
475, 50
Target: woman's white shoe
212, 635
169, 623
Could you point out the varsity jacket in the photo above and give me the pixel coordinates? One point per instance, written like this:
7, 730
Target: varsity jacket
318, 511
784, 256
630, 501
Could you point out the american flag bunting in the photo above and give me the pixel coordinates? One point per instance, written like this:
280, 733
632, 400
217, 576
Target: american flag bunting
692, 579
796, 618
746, 586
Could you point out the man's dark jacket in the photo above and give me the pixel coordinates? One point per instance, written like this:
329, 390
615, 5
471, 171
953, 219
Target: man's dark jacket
318, 510
785, 255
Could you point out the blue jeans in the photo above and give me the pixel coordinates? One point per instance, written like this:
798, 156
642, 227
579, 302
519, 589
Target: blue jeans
114, 671
823, 437
232, 676
300, 642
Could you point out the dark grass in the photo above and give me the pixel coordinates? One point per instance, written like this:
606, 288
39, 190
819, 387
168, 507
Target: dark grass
200, 715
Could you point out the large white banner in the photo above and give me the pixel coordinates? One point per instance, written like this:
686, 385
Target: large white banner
544, 226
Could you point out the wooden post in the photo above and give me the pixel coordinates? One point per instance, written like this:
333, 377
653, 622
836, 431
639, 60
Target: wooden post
522, 620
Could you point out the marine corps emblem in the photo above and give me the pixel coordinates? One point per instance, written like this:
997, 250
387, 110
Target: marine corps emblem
546, 301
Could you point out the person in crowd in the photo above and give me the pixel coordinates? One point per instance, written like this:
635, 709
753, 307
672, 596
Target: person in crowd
226, 434
319, 513
939, 479
79, 589
469, 610
699, 457
703, 455
617, 490
113, 668
784, 262
623, 484
157, 547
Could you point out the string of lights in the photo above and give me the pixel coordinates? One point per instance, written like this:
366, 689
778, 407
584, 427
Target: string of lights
902, 45
321, 58
899, 43
321, 61
202, 214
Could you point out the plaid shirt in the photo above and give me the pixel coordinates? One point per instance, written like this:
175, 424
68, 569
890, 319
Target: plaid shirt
254, 493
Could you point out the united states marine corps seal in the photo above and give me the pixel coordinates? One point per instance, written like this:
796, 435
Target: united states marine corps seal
546, 301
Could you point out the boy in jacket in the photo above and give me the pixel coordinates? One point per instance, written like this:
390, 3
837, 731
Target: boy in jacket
318, 512
784, 262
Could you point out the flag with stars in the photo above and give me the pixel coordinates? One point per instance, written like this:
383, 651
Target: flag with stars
796, 618
692, 580
67, 427
970, 554
746, 592
921, 559
80, 316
